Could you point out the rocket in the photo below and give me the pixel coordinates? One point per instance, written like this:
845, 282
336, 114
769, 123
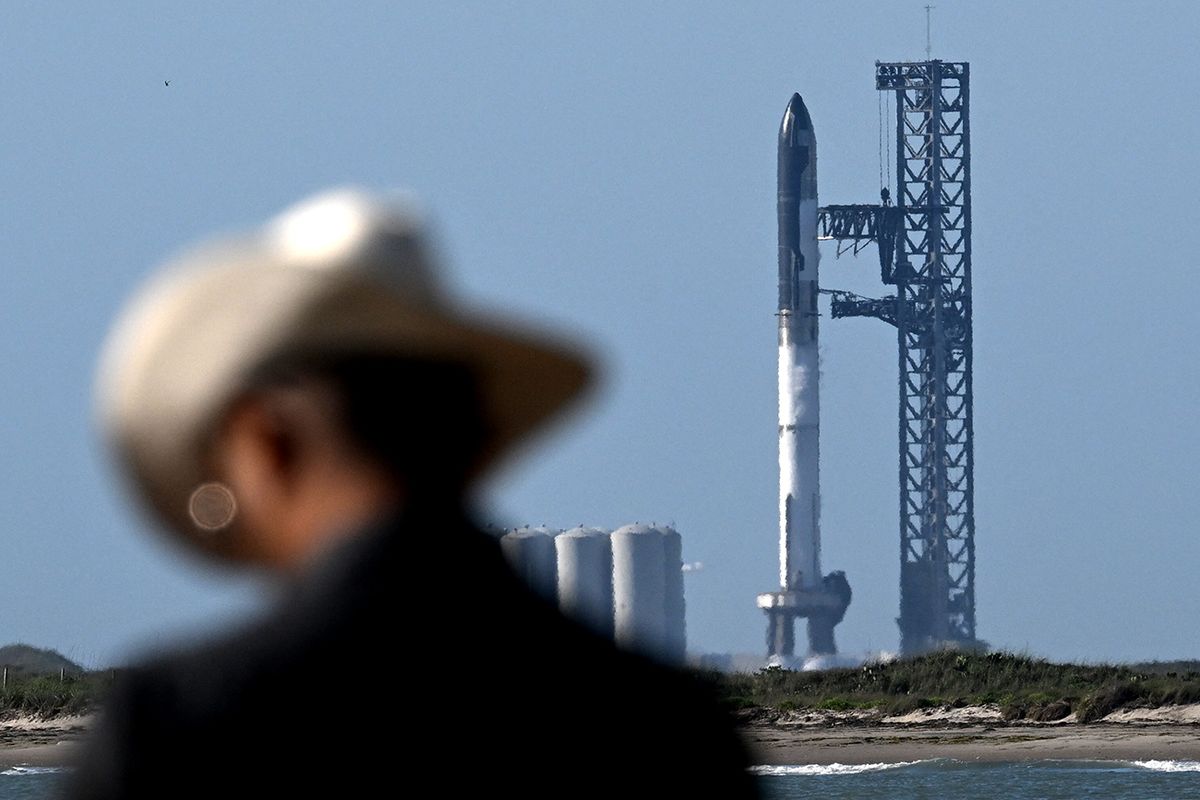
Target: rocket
803, 592
799, 374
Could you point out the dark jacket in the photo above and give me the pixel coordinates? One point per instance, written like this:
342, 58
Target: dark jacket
411, 652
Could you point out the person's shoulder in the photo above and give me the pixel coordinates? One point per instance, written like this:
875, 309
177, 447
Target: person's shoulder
632, 683
661, 725
194, 678
313, 613
674, 690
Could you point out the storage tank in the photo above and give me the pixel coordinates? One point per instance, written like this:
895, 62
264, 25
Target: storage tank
530, 553
585, 578
675, 631
639, 590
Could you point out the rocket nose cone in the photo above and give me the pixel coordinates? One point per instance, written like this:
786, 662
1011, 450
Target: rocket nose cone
795, 120
797, 109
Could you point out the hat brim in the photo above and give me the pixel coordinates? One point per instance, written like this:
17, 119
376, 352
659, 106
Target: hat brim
190, 345
524, 382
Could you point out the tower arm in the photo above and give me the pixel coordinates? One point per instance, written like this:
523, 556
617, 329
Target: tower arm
860, 225
849, 304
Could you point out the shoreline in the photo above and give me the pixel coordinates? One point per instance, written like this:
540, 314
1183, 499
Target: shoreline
37, 742
976, 734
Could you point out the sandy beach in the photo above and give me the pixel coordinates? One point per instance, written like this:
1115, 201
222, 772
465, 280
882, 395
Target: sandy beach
971, 734
33, 742
816, 737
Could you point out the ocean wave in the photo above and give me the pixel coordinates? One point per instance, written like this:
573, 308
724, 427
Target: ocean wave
23, 770
1168, 766
827, 769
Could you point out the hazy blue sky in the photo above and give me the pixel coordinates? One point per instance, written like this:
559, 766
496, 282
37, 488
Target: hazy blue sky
610, 168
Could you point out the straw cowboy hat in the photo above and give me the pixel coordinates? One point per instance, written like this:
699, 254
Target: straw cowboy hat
342, 272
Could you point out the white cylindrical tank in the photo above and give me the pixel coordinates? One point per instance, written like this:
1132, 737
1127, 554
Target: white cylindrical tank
530, 553
675, 625
585, 578
639, 590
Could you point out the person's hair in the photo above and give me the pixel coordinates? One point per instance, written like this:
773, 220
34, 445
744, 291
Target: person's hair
420, 420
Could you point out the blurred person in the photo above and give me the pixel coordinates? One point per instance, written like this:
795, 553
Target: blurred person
310, 401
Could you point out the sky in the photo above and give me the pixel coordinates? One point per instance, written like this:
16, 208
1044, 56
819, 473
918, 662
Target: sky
608, 169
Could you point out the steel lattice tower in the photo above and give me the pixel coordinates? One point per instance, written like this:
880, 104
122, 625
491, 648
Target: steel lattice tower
925, 251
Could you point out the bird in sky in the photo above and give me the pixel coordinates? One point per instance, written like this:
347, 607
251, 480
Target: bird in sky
166, 83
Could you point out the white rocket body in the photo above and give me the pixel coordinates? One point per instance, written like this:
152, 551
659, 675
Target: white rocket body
799, 367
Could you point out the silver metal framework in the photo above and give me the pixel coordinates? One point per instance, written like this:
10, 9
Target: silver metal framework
925, 251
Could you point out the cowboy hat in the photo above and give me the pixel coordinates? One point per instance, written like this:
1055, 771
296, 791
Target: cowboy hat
342, 272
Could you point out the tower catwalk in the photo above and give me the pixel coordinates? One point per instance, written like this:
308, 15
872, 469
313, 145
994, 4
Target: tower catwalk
925, 251
803, 591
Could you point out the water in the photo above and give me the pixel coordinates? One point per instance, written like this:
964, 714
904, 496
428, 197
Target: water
941, 779
30, 783
944, 778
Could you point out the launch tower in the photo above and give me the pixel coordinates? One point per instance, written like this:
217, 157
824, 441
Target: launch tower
924, 243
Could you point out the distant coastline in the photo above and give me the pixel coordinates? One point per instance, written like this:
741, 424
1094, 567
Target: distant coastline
969, 707
964, 706
971, 735
1002, 687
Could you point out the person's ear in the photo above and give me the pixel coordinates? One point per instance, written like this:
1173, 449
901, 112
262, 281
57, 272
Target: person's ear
256, 453
275, 430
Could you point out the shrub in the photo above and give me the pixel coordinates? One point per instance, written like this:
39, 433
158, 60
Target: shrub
1059, 709
836, 704
1105, 701
1010, 712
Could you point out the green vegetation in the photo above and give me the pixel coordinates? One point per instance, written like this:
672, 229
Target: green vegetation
44, 683
1023, 687
52, 696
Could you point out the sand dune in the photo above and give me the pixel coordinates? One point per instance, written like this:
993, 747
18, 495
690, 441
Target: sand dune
970, 734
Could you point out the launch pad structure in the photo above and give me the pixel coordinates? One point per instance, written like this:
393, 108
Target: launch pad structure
924, 244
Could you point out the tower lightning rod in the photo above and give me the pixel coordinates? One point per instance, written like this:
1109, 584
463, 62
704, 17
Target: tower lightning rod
928, 33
